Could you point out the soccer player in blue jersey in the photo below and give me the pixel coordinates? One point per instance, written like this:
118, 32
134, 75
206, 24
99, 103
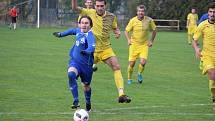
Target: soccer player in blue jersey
81, 59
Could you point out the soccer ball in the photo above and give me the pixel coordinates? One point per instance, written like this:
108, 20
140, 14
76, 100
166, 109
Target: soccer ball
81, 115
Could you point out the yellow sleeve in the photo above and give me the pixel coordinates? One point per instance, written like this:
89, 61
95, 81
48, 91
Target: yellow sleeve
188, 16
198, 32
153, 26
114, 24
129, 27
83, 12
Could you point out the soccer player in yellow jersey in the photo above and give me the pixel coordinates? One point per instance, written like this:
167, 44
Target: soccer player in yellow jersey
139, 42
89, 5
103, 23
192, 19
207, 54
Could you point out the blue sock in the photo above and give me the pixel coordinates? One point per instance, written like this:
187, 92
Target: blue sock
87, 96
73, 86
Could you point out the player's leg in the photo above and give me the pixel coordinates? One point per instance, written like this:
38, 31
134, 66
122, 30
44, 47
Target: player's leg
96, 60
133, 54
14, 27
141, 68
14, 22
130, 71
211, 77
72, 75
87, 94
209, 68
11, 23
189, 35
143, 59
113, 63
86, 77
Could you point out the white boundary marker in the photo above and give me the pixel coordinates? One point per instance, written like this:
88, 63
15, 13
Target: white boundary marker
108, 111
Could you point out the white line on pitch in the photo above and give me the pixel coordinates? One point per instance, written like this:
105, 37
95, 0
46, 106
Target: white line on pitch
139, 107
103, 112
106, 113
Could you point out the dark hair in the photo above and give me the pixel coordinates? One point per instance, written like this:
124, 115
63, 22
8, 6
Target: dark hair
91, 22
211, 5
102, 1
141, 7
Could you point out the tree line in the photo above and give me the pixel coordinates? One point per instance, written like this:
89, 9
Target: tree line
159, 9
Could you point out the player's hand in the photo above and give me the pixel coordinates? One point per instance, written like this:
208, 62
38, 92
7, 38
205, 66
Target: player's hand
198, 53
129, 42
117, 33
56, 34
150, 43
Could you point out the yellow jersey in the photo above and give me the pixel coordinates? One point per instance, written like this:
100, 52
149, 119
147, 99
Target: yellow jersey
102, 26
193, 18
140, 29
82, 14
207, 31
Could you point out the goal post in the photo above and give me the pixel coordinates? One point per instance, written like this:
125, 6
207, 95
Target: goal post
38, 14
169, 24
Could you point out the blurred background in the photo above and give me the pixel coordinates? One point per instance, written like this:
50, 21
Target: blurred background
58, 13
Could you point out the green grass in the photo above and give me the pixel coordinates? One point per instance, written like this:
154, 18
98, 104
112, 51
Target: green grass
33, 81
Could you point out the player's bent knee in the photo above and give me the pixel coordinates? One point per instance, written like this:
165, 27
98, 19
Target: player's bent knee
131, 64
116, 67
71, 75
86, 87
143, 62
211, 74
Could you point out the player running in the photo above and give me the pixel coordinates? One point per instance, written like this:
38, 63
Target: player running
139, 41
192, 19
81, 59
89, 5
104, 22
207, 54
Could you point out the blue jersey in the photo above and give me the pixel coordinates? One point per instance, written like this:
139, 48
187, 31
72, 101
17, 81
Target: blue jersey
203, 18
83, 42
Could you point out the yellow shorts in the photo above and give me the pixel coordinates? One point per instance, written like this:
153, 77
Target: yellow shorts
103, 55
138, 51
208, 63
191, 29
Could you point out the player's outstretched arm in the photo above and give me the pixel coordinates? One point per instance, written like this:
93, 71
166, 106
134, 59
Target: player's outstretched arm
71, 31
75, 6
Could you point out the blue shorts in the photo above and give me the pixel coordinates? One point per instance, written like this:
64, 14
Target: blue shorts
84, 71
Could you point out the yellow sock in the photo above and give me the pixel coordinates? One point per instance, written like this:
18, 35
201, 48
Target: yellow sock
212, 89
140, 69
119, 81
130, 71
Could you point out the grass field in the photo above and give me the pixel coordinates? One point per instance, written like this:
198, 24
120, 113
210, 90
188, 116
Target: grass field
33, 81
